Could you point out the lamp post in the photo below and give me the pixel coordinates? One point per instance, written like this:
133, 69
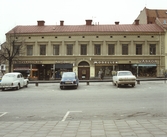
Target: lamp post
114, 63
137, 69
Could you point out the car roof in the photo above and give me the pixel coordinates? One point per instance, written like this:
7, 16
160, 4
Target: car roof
13, 73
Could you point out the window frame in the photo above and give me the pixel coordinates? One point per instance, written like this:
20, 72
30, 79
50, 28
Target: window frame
125, 49
42, 50
69, 49
83, 49
138, 49
56, 49
111, 49
97, 49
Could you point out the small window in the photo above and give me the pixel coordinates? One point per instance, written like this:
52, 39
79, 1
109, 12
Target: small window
42, 37
124, 36
83, 36
138, 36
110, 36
56, 37
69, 37
152, 36
29, 37
97, 36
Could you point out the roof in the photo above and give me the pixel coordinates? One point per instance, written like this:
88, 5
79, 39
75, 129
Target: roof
85, 28
156, 13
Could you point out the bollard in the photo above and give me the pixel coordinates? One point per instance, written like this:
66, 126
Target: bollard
36, 83
138, 81
87, 82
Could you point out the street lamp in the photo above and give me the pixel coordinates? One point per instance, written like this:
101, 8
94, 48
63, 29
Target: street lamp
114, 62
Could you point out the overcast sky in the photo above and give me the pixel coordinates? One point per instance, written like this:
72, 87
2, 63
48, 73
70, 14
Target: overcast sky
73, 12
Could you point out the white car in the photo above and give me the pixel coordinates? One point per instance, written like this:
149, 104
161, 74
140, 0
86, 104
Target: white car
13, 80
124, 78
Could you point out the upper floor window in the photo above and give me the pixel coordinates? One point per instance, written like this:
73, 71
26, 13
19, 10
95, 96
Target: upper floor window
55, 49
16, 50
111, 49
29, 50
83, 49
124, 49
69, 49
152, 49
42, 49
97, 49
138, 49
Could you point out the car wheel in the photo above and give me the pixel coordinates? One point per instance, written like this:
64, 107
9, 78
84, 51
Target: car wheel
3, 89
117, 85
114, 84
18, 87
26, 85
61, 88
133, 85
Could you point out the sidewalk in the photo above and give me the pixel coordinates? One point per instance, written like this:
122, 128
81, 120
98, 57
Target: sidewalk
108, 128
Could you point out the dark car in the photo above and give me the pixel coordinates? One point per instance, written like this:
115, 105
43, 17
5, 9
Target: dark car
69, 79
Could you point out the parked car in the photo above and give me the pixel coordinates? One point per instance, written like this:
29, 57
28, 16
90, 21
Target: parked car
124, 78
69, 79
13, 80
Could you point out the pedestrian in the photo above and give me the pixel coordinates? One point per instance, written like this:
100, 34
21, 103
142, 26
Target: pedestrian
99, 74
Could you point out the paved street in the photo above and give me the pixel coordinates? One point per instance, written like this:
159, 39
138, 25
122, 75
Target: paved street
95, 110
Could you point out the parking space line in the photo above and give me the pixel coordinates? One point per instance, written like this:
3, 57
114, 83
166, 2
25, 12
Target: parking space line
3, 113
68, 112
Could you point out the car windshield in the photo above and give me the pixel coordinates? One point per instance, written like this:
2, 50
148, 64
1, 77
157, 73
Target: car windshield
124, 74
68, 75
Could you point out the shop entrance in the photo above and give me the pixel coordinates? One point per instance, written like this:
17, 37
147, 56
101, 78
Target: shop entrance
83, 70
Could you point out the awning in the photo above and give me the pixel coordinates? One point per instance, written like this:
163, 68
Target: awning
145, 65
62, 66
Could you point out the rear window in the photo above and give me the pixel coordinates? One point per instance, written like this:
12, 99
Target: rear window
68, 75
9, 76
124, 74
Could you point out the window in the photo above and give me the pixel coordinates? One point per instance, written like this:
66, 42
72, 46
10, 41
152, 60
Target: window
42, 49
138, 49
124, 49
152, 49
111, 49
16, 50
29, 50
84, 49
55, 49
97, 49
69, 49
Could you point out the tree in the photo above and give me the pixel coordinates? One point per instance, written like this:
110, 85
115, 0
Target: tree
12, 48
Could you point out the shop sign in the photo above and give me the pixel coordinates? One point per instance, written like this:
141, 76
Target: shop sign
105, 62
27, 62
147, 61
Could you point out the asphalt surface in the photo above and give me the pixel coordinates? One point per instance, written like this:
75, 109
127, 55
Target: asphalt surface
142, 111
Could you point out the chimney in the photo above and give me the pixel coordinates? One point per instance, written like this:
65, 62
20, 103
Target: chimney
41, 23
136, 22
117, 23
61, 23
88, 22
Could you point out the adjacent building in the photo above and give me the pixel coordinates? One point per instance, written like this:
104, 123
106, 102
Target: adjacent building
155, 16
87, 49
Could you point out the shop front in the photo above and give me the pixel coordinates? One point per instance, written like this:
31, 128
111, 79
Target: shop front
60, 68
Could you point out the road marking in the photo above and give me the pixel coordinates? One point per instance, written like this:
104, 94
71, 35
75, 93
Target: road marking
3, 113
68, 112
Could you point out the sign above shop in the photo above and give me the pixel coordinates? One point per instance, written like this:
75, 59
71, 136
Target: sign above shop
147, 61
105, 62
27, 62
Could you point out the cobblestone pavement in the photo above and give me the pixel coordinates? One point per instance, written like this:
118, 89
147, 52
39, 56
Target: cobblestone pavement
109, 128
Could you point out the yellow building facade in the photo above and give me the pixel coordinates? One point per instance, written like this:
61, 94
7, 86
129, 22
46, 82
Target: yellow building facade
88, 49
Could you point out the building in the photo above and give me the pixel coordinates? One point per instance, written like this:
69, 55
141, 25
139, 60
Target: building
155, 16
88, 49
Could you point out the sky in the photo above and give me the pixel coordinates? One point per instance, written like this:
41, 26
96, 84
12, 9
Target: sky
73, 12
